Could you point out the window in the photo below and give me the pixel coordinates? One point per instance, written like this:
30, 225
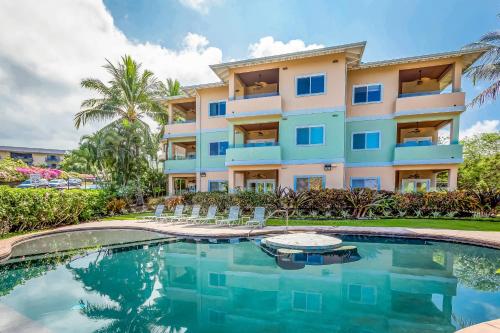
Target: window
368, 182
310, 85
310, 135
216, 109
370, 93
303, 301
366, 140
217, 186
304, 183
218, 148
362, 294
217, 279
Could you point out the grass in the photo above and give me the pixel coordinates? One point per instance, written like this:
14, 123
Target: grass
452, 224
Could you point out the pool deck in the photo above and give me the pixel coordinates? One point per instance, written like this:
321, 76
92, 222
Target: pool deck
492, 326
482, 238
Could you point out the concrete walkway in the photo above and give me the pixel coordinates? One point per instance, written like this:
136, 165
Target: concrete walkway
483, 238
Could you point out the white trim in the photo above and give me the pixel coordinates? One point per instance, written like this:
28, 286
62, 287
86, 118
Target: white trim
311, 144
309, 76
366, 132
217, 101
367, 85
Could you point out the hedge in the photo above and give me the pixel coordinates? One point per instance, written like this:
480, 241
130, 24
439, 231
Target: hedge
35, 209
357, 203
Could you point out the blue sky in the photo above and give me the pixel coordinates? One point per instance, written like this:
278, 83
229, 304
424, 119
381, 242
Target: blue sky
57, 43
392, 29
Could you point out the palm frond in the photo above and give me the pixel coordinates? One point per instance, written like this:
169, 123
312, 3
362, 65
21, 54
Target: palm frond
489, 93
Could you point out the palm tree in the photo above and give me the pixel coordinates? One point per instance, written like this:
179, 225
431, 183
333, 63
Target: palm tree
129, 95
487, 68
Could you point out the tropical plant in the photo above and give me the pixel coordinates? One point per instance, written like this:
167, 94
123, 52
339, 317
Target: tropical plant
481, 166
130, 95
487, 200
362, 200
487, 68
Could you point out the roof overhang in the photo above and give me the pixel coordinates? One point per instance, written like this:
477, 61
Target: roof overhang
469, 56
353, 51
32, 150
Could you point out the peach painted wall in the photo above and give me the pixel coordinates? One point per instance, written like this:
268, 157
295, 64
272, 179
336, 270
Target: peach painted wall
211, 95
389, 77
335, 81
386, 174
333, 178
435, 101
222, 175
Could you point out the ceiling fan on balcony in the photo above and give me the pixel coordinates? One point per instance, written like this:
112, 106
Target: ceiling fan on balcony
415, 130
260, 83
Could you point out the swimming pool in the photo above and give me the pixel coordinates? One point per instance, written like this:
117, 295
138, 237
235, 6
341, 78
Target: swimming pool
149, 282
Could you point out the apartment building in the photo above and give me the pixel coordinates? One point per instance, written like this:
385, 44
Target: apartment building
320, 119
50, 158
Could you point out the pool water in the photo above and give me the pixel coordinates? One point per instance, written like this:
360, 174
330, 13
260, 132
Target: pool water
392, 285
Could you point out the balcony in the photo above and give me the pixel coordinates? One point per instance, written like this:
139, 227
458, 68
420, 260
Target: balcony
181, 165
254, 154
187, 128
266, 105
425, 153
409, 103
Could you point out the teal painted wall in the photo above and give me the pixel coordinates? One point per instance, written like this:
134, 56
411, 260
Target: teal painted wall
388, 137
334, 136
204, 160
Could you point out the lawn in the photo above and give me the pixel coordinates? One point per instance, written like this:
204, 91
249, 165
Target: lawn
453, 224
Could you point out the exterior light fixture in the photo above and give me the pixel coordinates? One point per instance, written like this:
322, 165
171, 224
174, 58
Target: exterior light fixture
203, 174
327, 167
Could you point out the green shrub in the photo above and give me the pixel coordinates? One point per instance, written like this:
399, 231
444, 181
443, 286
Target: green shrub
34, 209
339, 203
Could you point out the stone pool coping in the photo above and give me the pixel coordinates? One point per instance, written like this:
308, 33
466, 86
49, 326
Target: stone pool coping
481, 238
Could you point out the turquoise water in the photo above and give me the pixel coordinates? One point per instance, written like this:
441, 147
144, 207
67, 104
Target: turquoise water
394, 286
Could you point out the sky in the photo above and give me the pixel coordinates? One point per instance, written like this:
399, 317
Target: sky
47, 47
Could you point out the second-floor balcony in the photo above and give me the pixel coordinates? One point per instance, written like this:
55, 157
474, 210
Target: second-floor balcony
182, 118
254, 154
425, 152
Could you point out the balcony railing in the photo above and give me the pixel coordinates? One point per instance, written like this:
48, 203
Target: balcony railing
268, 105
429, 154
181, 158
178, 165
254, 144
256, 155
416, 143
420, 93
409, 103
268, 94
184, 121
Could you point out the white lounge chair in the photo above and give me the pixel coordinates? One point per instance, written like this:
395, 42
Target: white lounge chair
233, 217
158, 213
178, 213
212, 211
259, 217
195, 214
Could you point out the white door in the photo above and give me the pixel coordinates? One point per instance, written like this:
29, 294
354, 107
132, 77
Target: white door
261, 185
416, 185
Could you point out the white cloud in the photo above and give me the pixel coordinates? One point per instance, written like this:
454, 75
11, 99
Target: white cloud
267, 46
201, 6
47, 47
484, 126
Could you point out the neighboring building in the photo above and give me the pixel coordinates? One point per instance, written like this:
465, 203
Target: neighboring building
34, 156
320, 118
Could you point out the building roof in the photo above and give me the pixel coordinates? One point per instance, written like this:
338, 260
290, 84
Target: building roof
469, 55
354, 53
32, 150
